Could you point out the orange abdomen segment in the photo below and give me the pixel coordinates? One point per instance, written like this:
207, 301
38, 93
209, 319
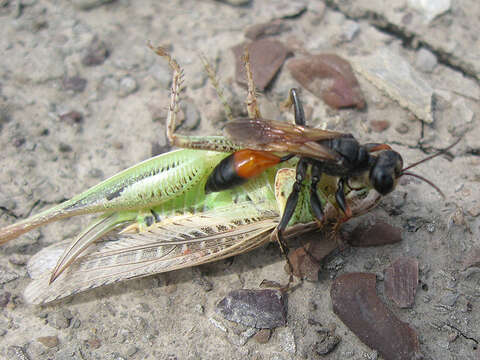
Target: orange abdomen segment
250, 163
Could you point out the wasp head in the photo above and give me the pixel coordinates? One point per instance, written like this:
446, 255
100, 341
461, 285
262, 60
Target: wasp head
385, 171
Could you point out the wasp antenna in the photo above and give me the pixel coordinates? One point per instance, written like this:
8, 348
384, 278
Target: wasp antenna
432, 156
425, 180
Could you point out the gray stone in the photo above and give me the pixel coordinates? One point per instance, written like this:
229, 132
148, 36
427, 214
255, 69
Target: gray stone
426, 60
261, 309
128, 86
392, 74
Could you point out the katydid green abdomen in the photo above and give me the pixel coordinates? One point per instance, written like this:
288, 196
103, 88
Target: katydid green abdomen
145, 185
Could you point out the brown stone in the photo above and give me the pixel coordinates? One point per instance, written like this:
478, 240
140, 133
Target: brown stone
329, 77
379, 125
356, 303
401, 281
266, 58
306, 260
378, 234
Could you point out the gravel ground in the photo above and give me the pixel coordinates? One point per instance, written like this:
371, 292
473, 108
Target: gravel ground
82, 97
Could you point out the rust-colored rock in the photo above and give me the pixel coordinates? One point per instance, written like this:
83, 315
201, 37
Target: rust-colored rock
306, 260
401, 281
356, 303
329, 77
378, 234
266, 58
379, 125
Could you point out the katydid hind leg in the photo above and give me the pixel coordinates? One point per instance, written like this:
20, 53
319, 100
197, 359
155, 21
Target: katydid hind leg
252, 104
214, 143
218, 89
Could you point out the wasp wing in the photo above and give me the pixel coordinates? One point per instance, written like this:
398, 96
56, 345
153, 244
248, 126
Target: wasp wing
270, 135
175, 243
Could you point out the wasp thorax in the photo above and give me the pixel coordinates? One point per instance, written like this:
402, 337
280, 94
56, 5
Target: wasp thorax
385, 171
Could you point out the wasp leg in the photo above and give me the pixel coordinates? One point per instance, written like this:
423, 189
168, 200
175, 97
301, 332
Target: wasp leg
315, 203
218, 89
252, 105
297, 107
289, 210
215, 143
340, 197
294, 99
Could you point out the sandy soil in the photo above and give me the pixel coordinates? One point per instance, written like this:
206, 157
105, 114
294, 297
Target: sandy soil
48, 155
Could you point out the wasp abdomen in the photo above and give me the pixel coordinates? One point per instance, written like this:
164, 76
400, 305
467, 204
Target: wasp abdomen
238, 167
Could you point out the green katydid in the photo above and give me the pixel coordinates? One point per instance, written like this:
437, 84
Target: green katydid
158, 217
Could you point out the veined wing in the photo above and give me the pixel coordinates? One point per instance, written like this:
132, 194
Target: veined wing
178, 242
270, 135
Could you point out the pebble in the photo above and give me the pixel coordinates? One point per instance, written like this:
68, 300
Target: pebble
356, 303
401, 281
402, 128
266, 59
128, 85
97, 53
72, 117
18, 259
132, 350
327, 343
426, 61
48, 341
379, 126
7, 275
93, 342
306, 260
329, 77
264, 308
378, 234
74, 83
4, 298
59, 319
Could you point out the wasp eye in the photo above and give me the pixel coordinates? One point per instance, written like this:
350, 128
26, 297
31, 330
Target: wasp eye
382, 180
385, 171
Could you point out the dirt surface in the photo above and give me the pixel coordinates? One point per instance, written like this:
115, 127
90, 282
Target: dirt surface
82, 97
